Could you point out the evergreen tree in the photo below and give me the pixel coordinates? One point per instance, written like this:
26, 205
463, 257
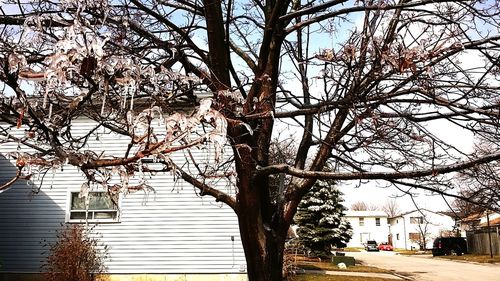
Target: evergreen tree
321, 221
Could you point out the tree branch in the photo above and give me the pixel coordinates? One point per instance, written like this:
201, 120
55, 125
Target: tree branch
207, 190
352, 10
439, 169
13, 180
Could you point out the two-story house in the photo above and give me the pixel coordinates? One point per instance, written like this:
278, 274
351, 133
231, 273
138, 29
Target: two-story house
367, 225
417, 229
168, 233
411, 230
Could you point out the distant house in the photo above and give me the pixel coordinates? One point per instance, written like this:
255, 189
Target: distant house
480, 238
418, 229
470, 222
405, 231
367, 225
170, 232
494, 220
478, 221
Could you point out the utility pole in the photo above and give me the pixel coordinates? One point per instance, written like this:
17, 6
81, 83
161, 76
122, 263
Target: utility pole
489, 232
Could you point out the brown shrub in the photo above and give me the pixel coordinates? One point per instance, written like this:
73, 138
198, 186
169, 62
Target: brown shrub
75, 256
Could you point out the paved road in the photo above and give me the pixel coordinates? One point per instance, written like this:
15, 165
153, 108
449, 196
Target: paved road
427, 268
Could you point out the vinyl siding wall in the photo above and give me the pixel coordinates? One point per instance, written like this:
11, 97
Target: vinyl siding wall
171, 230
434, 226
369, 230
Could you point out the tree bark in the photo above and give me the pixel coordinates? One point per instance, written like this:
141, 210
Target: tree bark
219, 48
263, 249
262, 233
262, 227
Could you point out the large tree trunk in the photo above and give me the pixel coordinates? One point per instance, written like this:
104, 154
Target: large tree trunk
262, 228
263, 250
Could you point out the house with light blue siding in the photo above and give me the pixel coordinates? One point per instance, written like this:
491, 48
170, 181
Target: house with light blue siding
168, 233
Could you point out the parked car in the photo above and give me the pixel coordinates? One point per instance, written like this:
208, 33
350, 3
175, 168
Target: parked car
371, 245
385, 247
449, 246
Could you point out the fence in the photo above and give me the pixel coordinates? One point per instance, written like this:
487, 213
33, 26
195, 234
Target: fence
478, 241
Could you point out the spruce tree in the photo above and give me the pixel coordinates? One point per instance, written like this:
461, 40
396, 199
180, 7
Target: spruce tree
321, 221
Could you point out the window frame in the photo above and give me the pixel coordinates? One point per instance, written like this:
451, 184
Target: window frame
361, 221
378, 222
69, 211
415, 236
417, 220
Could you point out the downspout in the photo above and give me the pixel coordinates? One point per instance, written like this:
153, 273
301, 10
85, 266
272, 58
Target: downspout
390, 233
404, 232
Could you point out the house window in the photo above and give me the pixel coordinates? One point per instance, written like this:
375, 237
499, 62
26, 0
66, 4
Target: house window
97, 207
397, 236
361, 221
414, 236
377, 221
416, 220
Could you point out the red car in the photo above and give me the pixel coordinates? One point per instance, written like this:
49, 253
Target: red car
385, 247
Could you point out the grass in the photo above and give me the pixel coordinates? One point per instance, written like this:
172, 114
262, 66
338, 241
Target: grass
314, 264
320, 277
411, 252
475, 258
351, 250
332, 267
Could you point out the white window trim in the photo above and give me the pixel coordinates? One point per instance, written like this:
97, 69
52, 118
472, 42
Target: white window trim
91, 221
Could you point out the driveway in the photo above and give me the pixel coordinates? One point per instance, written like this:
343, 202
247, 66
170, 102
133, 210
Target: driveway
427, 268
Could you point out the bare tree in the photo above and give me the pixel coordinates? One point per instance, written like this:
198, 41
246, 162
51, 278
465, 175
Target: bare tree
423, 235
391, 208
464, 208
363, 206
364, 85
479, 186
